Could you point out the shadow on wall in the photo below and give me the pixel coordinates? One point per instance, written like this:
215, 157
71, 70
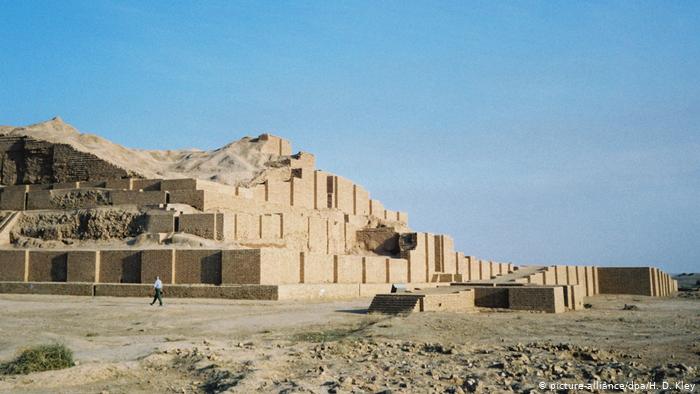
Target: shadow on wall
59, 268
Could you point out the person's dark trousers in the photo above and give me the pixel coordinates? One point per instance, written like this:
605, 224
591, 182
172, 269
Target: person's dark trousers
158, 297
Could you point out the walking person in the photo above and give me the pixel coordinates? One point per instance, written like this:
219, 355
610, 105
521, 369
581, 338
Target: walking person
158, 288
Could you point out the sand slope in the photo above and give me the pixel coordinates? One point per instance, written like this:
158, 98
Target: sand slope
236, 163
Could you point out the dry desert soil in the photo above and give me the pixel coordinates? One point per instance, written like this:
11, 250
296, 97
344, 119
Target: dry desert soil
123, 345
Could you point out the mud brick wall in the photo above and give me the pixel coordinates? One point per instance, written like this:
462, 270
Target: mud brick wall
462, 301
402, 217
247, 226
417, 269
12, 199
207, 186
259, 193
571, 275
318, 268
376, 208
56, 288
294, 227
575, 296
321, 193
348, 269
160, 222
127, 290
417, 263
350, 230
560, 276
664, 279
225, 226
271, 226
545, 299
261, 266
65, 185
304, 160
397, 270
439, 260
491, 297
430, 255
13, 265
484, 269
278, 192
28, 161
343, 191
550, 276
157, 262
625, 280
91, 184
303, 192
374, 269
178, 184
82, 266
71, 165
474, 268
199, 224
590, 285
241, 292
360, 201
274, 145
40, 199
120, 266
215, 200
655, 282
461, 267
285, 147
119, 184
48, 266
194, 198
536, 278
336, 236
241, 266
318, 235
580, 276
197, 266
39, 186
146, 184
449, 265
122, 197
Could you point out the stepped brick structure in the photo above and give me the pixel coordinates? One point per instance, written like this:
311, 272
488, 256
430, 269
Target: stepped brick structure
76, 223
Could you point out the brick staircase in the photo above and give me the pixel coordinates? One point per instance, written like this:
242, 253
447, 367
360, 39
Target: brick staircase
395, 304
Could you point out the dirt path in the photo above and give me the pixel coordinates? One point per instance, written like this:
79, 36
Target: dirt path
123, 345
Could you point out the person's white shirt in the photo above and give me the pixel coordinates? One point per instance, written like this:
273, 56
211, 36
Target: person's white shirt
158, 284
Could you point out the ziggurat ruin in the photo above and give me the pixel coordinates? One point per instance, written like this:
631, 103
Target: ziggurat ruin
251, 220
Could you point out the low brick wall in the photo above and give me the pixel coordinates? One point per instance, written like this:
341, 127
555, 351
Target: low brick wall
120, 266
624, 280
48, 266
77, 289
318, 291
237, 292
462, 301
491, 297
12, 265
537, 298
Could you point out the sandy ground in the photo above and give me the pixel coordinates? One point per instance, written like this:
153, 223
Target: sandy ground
123, 345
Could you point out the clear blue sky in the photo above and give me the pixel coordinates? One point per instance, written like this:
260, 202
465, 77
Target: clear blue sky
533, 132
